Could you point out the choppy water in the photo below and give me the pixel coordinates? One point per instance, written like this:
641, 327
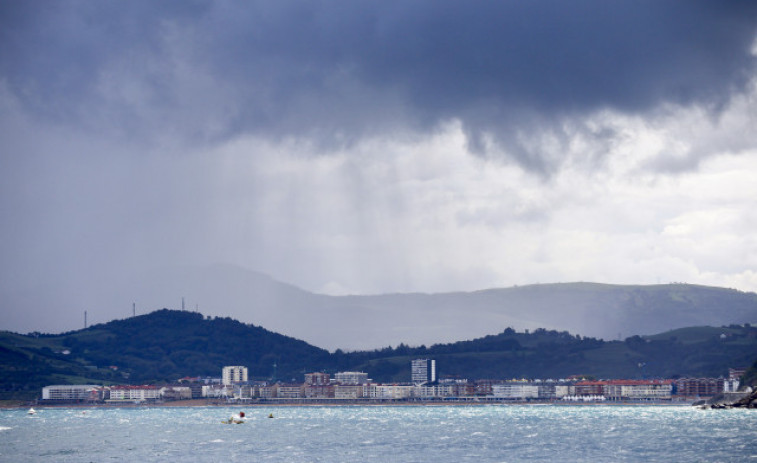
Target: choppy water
381, 434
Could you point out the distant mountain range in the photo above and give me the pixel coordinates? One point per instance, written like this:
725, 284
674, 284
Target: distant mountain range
167, 344
369, 322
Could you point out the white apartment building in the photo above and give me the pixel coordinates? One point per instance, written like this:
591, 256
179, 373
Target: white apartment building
133, 393
388, 391
638, 389
234, 374
426, 391
71, 392
515, 391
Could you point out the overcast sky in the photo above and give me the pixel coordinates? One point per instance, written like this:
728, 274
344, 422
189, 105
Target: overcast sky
364, 147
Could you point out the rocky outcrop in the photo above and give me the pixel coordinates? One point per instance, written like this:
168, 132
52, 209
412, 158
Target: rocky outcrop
748, 400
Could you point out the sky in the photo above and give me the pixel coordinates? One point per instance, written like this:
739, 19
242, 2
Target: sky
372, 147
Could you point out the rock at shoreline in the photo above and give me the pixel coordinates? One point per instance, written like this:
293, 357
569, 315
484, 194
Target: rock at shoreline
750, 401
717, 403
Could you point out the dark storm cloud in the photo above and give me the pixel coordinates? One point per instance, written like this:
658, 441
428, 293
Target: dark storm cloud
337, 71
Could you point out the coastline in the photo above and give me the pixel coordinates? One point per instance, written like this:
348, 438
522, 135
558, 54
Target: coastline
347, 403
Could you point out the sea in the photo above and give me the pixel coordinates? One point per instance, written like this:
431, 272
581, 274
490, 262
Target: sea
439, 434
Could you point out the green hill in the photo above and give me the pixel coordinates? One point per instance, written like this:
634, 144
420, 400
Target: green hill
160, 346
692, 352
166, 345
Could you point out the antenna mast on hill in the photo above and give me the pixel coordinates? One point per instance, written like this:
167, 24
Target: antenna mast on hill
182, 304
85, 319
133, 309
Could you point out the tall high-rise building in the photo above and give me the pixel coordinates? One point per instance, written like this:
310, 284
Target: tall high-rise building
234, 374
423, 371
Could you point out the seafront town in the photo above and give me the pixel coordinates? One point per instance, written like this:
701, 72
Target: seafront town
355, 387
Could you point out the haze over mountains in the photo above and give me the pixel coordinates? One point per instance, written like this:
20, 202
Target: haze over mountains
376, 147
367, 322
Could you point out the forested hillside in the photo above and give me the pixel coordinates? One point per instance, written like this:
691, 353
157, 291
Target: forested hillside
696, 351
166, 345
161, 346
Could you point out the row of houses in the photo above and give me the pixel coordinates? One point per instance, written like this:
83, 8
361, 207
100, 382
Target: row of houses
355, 385
611, 390
321, 388
113, 394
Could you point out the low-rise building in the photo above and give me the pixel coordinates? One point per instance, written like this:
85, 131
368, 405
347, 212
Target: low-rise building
456, 388
71, 393
176, 393
389, 391
593, 388
324, 391
348, 391
449, 389
515, 390
267, 391
133, 393
553, 390
217, 391
699, 387
243, 391
289, 391
351, 377
425, 391
484, 386
638, 389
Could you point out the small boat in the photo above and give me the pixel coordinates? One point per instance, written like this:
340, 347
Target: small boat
236, 419
31, 411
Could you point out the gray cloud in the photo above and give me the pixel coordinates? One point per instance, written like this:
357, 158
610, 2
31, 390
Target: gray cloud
327, 144
334, 72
